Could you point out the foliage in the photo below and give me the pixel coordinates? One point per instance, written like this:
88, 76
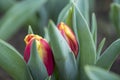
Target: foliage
67, 66
115, 15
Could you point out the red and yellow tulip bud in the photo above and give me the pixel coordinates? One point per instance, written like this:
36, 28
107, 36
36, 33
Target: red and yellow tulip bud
44, 51
68, 34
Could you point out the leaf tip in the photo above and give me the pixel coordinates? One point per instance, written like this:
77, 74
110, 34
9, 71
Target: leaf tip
30, 31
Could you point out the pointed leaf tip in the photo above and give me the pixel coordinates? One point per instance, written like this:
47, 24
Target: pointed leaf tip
109, 55
30, 31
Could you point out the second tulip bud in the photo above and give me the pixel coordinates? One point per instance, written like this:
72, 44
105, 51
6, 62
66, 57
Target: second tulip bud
68, 34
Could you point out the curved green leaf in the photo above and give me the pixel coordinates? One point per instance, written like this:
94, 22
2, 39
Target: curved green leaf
95, 73
64, 58
115, 16
17, 16
87, 47
109, 55
83, 6
12, 62
94, 29
6, 4
36, 66
100, 47
86, 42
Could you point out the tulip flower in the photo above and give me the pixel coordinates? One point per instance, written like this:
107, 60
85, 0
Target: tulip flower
69, 36
44, 51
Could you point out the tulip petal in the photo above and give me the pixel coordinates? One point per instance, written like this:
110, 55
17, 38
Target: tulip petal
47, 57
27, 53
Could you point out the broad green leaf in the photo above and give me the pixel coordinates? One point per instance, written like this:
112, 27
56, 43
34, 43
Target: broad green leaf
109, 55
30, 31
16, 16
100, 47
36, 66
6, 4
115, 16
12, 62
83, 6
94, 29
87, 47
95, 73
64, 58
86, 42
32, 20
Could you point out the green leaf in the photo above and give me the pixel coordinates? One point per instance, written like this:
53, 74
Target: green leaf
6, 4
55, 75
86, 42
30, 31
83, 6
115, 16
64, 14
16, 16
12, 62
35, 64
95, 73
94, 29
69, 18
87, 47
64, 58
109, 55
100, 47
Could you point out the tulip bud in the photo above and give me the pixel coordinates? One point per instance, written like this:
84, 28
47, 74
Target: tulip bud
44, 51
68, 34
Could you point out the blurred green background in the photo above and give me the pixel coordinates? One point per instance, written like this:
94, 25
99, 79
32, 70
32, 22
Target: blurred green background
39, 18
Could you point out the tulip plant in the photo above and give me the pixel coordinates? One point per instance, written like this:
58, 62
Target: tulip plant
68, 51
